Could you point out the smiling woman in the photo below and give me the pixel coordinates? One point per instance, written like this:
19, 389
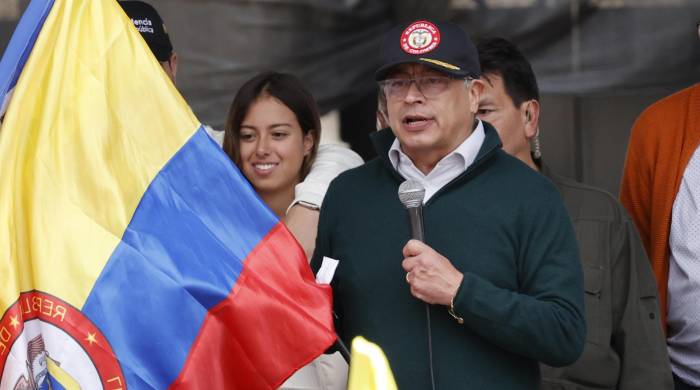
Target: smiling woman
272, 134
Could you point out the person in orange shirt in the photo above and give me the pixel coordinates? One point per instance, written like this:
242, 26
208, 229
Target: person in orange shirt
661, 191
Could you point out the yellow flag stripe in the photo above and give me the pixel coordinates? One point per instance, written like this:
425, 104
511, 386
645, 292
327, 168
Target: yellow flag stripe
61, 376
65, 196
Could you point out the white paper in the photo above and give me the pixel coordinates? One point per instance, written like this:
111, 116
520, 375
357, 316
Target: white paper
327, 270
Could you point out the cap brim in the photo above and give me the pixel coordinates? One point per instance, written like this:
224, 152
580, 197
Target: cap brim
382, 72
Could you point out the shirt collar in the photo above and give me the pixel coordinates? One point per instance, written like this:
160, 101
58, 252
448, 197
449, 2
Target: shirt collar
466, 151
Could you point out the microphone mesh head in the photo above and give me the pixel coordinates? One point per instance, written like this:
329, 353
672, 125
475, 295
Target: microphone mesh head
411, 193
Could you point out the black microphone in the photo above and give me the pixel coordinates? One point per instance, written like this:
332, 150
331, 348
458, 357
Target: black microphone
411, 194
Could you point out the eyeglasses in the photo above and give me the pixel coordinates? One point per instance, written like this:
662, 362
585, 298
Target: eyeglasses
430, 86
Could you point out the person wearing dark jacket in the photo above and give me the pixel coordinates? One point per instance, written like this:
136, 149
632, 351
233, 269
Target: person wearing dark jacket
625, 347
496, 286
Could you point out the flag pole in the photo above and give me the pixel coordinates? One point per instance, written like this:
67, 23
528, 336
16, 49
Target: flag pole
342, 348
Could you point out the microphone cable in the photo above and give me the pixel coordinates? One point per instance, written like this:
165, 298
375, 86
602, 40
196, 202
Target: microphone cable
430, 346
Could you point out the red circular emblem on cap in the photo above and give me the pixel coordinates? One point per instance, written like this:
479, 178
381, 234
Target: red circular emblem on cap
420, 37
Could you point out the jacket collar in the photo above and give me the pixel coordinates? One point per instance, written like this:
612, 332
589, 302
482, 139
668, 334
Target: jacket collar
383, 139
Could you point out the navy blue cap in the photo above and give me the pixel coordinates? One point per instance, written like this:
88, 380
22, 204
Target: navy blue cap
442, 46
147, 21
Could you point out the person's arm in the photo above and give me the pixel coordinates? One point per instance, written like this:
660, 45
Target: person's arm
637, 334
302, 222
302, 216
636, 186
544, 320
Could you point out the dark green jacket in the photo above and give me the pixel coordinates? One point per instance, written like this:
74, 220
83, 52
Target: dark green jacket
625, 346
501, 224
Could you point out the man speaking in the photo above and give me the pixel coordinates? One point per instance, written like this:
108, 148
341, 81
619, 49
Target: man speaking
496, 286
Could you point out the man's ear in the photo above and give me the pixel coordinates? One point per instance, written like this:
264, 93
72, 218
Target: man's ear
476, 87
531, 117
171, 66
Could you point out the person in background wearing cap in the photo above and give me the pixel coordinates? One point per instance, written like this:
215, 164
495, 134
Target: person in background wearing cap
661, 191
497, 285
148, 22
301, 217
625, 347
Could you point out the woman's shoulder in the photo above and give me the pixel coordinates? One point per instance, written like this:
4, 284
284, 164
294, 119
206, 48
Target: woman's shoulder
340, 154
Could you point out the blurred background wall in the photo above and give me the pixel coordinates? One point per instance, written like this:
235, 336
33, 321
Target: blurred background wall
599, 63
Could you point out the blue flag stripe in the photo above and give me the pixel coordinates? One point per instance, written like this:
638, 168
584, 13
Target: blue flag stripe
180, 255
55, 384
21, 44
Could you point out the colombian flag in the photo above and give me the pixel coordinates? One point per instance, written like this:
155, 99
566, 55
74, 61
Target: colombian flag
133, 254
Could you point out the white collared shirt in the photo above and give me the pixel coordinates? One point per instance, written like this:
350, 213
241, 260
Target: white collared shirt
448, 168
684, 277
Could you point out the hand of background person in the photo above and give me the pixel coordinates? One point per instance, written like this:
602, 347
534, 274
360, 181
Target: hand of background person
432, 277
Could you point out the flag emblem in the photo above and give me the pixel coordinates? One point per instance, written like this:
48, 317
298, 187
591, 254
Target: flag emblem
57, 344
